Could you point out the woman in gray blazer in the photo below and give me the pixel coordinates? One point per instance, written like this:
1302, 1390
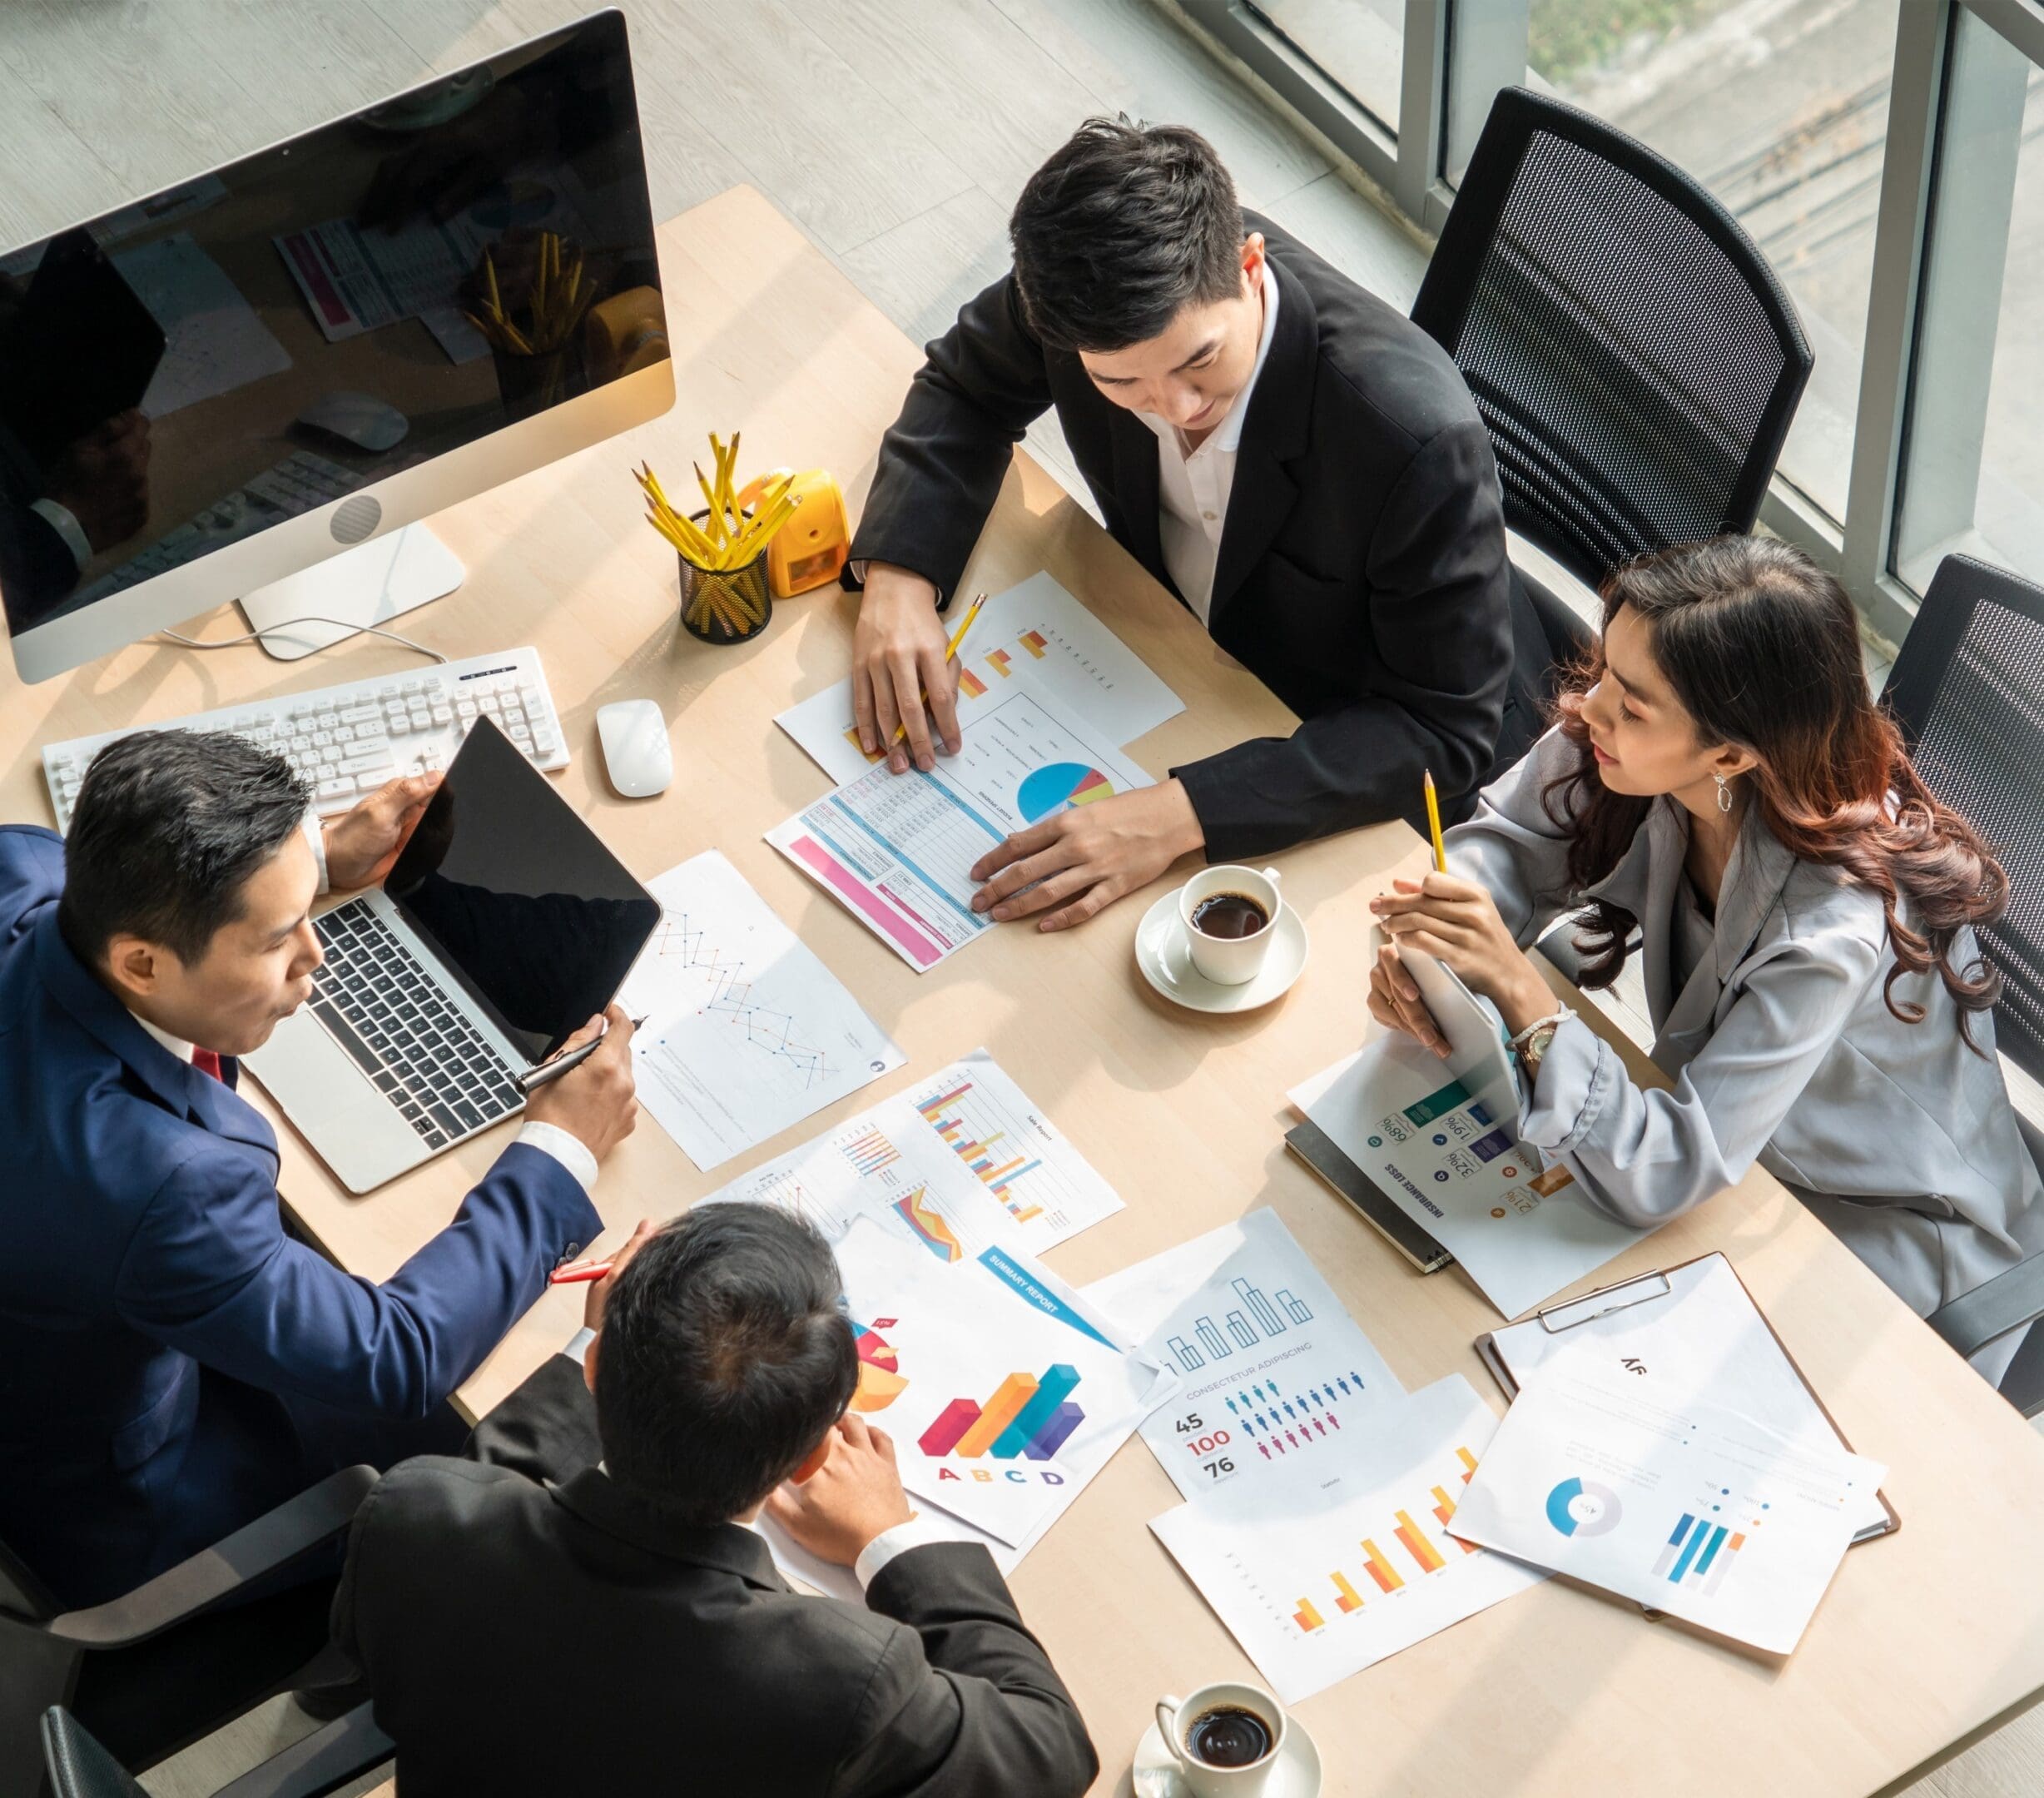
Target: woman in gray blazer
1720, 782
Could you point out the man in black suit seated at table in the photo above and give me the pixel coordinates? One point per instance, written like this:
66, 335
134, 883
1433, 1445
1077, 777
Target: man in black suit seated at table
1298, 461
622, 1628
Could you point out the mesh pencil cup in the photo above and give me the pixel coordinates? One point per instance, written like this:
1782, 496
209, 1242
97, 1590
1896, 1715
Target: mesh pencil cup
725, 605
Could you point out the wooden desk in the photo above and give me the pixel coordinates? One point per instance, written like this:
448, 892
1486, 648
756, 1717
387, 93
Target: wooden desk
1925, 1637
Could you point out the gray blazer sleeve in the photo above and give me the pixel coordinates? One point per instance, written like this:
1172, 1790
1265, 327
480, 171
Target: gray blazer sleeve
1644, 1156
1513, 847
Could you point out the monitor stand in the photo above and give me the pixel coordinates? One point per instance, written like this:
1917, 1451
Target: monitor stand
368, 584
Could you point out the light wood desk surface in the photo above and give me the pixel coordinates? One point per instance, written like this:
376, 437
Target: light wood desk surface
1924, 1637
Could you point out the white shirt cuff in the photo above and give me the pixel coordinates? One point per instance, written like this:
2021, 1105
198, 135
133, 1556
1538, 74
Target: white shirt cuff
570, 1151
317, 837
578, 1344
60, 520
918, 1531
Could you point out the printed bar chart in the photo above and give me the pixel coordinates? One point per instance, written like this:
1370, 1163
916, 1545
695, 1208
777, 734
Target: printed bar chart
1029, 1415
969, 683
1035, 643
1306, 1618
1052, 1390
1417, 1544
997, 1171
1346, 1597
1381, 1570
869, 1151
1439, 1103
1700, 1553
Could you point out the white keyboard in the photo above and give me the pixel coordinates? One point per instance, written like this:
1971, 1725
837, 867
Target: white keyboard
347, 740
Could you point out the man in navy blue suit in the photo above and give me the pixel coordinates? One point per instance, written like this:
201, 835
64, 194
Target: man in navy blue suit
173, 1363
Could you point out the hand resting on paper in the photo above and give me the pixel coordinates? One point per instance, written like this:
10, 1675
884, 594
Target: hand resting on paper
854, 1496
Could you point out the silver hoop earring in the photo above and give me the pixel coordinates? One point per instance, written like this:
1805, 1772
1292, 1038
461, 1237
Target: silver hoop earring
1724, 793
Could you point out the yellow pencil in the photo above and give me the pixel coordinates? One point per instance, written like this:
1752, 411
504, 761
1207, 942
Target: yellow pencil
1433, 824
950, 649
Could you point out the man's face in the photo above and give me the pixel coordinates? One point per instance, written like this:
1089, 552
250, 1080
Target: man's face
1191, 374
257, 969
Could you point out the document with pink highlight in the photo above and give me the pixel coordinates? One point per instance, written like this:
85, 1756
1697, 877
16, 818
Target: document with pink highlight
897, 850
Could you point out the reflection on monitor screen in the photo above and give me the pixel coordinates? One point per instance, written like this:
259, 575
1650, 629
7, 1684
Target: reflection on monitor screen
192, 370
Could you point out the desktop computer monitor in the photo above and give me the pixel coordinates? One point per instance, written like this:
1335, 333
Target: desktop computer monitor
251, 385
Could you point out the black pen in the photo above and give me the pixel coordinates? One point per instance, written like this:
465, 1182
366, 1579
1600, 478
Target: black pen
567, 1060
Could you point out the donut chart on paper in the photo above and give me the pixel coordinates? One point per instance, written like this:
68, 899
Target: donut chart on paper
1582, 1507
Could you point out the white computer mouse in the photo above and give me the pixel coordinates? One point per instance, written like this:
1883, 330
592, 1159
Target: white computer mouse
360, 419
637, 754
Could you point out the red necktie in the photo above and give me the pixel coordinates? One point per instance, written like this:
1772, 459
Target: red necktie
206, 1061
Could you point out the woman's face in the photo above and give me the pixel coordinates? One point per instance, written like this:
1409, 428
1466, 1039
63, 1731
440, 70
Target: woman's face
1645, 744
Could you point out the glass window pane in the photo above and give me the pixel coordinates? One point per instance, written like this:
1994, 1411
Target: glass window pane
1357, 43
1974, 478
1781, 111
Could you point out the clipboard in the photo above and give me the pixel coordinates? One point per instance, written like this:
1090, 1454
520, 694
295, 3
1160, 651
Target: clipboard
1645, 1289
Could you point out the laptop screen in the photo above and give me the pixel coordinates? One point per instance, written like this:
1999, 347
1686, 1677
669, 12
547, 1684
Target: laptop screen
519, 898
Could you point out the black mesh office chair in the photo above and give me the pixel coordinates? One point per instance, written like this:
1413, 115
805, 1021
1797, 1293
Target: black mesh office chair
1968, 690
322, 1762
1635, 358
181, 1655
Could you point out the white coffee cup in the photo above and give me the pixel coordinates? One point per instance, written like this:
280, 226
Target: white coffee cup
1231, 960
1177, 1718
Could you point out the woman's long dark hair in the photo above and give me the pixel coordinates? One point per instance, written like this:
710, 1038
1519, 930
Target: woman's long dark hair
1762, 649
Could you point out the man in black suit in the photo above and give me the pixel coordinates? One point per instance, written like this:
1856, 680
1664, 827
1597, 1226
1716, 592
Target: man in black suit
624, 1630
1300, 463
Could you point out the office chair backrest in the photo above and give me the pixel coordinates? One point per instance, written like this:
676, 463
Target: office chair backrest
1968, 691
1635, 359
78, 1766
21, 1592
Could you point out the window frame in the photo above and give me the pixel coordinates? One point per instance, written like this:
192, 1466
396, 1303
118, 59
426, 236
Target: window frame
1457, 52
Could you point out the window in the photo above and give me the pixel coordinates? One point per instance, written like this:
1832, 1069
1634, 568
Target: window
1358, 43
1782, 112
1973, 473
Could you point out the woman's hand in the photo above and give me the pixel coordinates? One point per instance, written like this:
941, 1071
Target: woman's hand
1457, 922
1395, 1002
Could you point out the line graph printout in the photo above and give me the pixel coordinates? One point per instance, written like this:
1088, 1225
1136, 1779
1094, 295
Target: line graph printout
897, 850
1276, 1374
1034, 638
747, 1031
961, 1163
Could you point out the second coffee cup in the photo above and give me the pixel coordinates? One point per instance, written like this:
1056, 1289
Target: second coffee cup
1230, 916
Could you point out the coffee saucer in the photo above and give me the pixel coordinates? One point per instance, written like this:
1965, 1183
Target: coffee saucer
1297, 1774
1166, 960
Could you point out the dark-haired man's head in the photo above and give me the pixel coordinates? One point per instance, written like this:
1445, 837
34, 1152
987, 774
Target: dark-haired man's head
187, 885
1130, 252
725, 1356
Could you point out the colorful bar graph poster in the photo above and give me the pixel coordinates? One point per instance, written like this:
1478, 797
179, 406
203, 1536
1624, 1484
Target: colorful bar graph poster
1328, 1566
1003, 1394
965, 1161
1704, 1513
897, 850
1275, 1373
1034, 638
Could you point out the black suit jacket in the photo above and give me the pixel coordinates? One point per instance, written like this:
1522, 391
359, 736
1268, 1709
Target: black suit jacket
1361, 572
528, 1637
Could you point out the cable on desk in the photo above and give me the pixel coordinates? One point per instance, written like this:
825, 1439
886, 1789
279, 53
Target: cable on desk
374, 630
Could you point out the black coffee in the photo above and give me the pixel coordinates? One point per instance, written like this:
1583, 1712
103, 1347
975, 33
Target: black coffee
1227, 1736
1229, 914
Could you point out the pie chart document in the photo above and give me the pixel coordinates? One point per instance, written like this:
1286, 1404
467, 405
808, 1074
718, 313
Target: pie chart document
1702, 1512
897, 850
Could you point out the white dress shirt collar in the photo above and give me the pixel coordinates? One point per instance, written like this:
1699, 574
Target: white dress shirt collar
183, 1050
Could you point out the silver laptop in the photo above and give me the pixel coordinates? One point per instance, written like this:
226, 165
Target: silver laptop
503, 927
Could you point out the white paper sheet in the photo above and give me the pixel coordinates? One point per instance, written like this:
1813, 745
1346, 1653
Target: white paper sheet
1693, 1510
214, 340
1274, 1372
747, 1031
1034, 638
1451, 1161
1001, 1389
959, 1163
1702, 1337
896, 850
1332, 1565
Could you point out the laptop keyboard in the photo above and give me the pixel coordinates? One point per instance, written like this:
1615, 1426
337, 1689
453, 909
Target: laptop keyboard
375, 999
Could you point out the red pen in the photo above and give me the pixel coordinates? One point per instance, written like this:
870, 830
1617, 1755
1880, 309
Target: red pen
582, 1270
